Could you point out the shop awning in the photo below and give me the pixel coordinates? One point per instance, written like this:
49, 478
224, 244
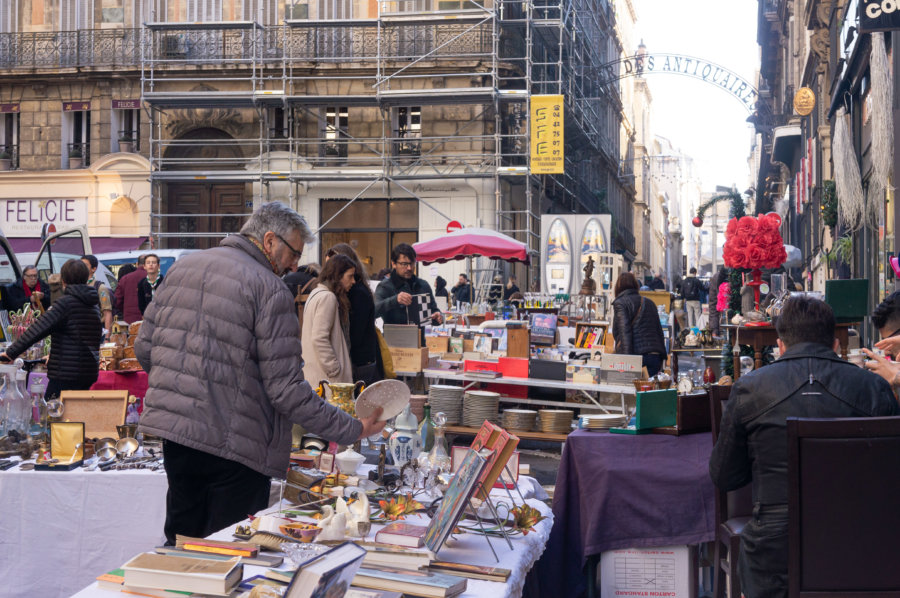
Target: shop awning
98, 244
786, 144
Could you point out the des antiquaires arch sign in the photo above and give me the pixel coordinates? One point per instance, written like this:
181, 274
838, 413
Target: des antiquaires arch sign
879, 15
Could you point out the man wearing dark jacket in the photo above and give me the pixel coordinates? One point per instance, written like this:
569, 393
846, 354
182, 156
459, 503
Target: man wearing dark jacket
809, 380
73, 324
147, 287
394, 295
29, 289
127, 293
691, 290
221, 346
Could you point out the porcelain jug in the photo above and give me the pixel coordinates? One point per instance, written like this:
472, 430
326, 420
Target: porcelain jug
405, 443
343, 394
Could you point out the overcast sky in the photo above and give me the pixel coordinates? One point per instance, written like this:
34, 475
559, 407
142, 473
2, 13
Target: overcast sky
706, 123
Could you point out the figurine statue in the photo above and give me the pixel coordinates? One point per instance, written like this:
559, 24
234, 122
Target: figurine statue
334, 525
589, 286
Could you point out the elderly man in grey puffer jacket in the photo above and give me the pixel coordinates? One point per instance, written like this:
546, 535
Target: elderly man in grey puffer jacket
221, 345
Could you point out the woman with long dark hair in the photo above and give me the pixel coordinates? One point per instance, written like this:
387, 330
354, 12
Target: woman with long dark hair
636, 327
364, 351
326, 324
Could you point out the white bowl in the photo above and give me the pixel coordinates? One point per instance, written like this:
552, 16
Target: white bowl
348, 462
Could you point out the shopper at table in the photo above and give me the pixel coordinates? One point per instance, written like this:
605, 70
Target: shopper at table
127, 293
326, 324
809, 380
364, 349
462, 290
692, 292
221, 345
147, 287
394, 295
511, 287
636, 326
103, 291
29, 289
73, 325
440, 288
886, 318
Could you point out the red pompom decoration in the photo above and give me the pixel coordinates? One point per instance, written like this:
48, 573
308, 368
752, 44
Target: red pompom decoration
754, 243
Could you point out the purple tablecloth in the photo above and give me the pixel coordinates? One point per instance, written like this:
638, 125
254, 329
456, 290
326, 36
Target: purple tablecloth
622, 491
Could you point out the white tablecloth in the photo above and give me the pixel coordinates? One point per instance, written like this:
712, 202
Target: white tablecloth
464, 548
60, 530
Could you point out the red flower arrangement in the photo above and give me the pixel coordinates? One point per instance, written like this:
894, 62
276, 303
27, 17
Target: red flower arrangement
754, 243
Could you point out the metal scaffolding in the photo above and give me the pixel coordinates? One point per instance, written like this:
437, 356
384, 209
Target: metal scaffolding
289, 87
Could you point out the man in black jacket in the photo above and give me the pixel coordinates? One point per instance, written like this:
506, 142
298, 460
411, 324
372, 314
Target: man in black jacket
394, 295
691, 289
809, 380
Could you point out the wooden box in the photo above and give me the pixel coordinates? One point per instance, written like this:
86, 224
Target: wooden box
518, 342
692, 415
66, 445
409, 360
437, 344
100, 410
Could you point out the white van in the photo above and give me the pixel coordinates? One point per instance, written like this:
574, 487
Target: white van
115, 260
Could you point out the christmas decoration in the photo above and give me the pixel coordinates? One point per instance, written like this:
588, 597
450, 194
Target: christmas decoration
881, 109
697, 221
847, 179
752, 244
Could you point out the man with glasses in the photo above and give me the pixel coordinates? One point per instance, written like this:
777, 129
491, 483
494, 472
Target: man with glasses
394, 295
30, 289
221, 344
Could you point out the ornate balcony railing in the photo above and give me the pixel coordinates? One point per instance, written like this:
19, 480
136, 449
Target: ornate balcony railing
123, 47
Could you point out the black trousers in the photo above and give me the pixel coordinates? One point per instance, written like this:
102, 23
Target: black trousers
207, 493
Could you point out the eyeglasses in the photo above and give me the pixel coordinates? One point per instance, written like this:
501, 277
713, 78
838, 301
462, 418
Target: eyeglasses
297, 254
29, 275
404, 264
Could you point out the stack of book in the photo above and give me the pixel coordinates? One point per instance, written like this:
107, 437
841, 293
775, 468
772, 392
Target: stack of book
180, 574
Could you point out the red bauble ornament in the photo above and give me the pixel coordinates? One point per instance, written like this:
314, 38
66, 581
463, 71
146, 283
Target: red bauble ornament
697, 221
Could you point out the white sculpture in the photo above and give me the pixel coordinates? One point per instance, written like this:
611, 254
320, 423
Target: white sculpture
333, 525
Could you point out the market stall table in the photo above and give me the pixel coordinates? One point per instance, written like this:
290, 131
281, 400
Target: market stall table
466, 548
624, 491
760, 337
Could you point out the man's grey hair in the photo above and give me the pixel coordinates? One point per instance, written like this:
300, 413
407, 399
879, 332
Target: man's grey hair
278, 218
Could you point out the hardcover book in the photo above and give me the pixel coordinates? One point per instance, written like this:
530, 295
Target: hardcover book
414, 583
329, 574
184, 574
402, 534
455, 500
502, 449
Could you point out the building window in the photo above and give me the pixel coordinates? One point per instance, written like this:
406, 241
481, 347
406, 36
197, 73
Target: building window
76, 133
9, 134
407, 130
371, 226
126, 128
334, 133
296, 9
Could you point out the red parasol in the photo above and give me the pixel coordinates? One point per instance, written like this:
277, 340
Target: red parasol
472, 242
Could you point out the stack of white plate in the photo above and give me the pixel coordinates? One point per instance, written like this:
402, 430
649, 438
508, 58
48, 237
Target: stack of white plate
603, 421
519, 420
447, 400
480, 405
556, 421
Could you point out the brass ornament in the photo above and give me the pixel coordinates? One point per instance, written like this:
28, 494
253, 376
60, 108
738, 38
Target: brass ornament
804, 101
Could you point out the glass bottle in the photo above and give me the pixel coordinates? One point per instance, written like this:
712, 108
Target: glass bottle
27, 409
439, 456
4, 409
13, 400
709, 376
426, 429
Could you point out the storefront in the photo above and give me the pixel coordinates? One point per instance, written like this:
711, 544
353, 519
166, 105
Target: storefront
111, 198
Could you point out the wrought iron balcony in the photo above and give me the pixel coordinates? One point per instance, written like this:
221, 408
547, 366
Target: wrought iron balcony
174, 46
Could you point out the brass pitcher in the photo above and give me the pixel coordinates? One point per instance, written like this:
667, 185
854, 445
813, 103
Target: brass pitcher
343, 394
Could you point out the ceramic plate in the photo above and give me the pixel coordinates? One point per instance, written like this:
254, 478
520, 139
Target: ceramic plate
390, 395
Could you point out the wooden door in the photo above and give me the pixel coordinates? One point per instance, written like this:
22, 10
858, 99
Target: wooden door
211, 204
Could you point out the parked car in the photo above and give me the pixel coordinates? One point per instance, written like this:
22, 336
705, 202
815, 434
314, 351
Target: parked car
167, 257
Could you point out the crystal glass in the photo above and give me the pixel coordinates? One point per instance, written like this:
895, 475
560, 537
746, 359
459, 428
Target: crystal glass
299, 553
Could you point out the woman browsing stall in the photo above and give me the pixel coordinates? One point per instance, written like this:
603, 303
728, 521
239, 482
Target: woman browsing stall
636, 326
326, 324
73, 324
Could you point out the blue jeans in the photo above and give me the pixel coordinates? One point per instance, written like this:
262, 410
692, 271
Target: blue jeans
653, 362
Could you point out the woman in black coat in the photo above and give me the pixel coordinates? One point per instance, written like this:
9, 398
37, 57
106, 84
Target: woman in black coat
73, 324
636, 327
365, 354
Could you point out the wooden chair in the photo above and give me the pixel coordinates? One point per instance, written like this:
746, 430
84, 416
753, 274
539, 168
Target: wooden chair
843, 521
733, 511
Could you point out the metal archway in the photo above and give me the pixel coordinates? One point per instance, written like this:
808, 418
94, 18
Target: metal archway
686, 66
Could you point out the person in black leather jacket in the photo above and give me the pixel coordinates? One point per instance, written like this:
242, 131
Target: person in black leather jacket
809, 380
73, 323
636, 326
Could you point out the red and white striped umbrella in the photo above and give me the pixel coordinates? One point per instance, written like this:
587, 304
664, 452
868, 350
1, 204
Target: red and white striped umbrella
472, 242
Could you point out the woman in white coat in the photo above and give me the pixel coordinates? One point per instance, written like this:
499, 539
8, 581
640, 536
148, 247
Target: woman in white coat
326, 316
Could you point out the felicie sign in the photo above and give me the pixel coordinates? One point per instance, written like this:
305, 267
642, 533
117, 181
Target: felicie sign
879, 15
25, 217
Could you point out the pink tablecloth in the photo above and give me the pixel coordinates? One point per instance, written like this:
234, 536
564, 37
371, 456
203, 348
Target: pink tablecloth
134, 382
